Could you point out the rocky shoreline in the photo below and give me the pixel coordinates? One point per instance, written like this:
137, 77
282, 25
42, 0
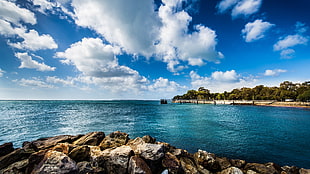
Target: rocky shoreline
116, 153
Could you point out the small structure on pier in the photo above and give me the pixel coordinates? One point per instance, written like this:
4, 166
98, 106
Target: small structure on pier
163, 101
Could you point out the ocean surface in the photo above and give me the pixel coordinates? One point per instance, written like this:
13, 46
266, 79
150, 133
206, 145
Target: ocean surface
254, 133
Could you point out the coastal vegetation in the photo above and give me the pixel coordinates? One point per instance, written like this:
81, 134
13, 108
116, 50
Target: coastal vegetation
286, 90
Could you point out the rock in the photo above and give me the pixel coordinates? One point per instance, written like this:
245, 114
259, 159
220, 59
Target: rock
237, 163
45, 143
92, 138
151, 152
251, 172
6, 148
148, 139
222, 162
16, 155
80, 153
138, 166
85, 167
115, 139
290, 169
231, 170
304, 171
115, 161
171, 162
206, 160
35, 159
16, 168
179, 153
64, 148
261, 168
188, 166
56, 162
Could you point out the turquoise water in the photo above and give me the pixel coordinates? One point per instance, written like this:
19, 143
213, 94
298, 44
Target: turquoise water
253, 133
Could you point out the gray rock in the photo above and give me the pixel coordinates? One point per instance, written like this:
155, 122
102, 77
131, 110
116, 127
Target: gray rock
138, 166
231, 170
92, 138
56, 162
151, 152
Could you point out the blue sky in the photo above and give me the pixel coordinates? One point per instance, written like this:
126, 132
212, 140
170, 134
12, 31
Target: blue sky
145, 49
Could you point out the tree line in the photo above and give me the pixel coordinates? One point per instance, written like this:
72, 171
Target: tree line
286, 90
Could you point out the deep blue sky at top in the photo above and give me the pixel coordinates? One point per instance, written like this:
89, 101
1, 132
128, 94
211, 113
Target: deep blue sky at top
75, 49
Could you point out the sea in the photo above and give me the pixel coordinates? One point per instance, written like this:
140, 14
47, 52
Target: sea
253, 133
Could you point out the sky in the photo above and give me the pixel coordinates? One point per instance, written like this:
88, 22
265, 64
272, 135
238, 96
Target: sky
146, 49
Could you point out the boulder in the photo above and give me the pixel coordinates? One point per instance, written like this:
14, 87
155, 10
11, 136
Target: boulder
64, 148
16, 155
80, 153
148, 139
231, 170
171, 162
138, 166
16, 168
85, 167
206, 160
149, 151
115, 139
223, 162
92, 138
114, 160
304, 171
56, 162
6, 148
45, 143
188, 166
237, 163
261, 168
35, 159
290, 169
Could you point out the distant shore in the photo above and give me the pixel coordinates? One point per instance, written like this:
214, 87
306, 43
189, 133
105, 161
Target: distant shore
247, 102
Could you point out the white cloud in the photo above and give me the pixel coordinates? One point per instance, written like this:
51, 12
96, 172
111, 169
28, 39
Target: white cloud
286, 44
255, 30
28, 62
239, 7
228, 76
127, 24
33, 41
99, 65
176, 44
44, 5
1, 72
34, 82
221, 81
55, 80
12, 13
274, 72
164, 85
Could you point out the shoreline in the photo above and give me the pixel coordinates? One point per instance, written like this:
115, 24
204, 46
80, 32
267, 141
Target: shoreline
117, 153
248, 102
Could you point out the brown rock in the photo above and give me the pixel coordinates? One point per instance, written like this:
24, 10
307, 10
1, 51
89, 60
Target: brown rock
64, 148
45, 143
16, 168
222, 162
237, 163
35, 159
56, 162
148, 139
6, 148
138, 166
231, 170
115, 139
92, 138
261, 168
290, 169
304, 171
188, 166
151, 152
80, 153
16, 155
171, 162
206, 160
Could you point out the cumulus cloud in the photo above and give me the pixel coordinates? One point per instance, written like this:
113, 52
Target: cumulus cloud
274, 72
221, 81
12, 13
139, 30
255, 30
55, 80
239, 7
164, 85
28, 62
286, 44
12, 19
34, 83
